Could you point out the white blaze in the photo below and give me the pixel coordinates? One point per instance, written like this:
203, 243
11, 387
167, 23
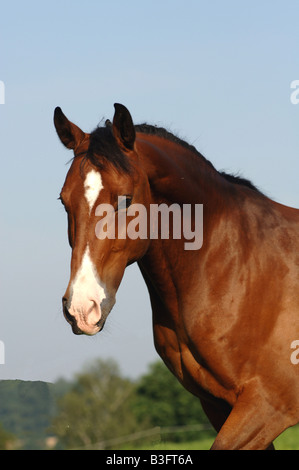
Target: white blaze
87, 293
92, 185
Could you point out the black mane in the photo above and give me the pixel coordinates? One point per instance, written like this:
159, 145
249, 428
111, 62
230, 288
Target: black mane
103, 144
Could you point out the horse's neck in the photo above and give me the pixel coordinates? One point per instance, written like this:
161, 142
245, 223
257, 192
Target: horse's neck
176, 175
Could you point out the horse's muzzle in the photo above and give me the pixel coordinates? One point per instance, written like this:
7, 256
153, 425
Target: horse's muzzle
70, 318
80, 321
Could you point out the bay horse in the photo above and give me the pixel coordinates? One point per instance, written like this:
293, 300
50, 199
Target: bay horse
225, 315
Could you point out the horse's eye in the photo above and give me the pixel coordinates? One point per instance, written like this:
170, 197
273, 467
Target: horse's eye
124, 202
128, 201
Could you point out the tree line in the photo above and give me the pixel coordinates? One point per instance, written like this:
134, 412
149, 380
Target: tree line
98, 405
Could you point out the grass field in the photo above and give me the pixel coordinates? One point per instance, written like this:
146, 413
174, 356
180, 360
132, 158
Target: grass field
289, 440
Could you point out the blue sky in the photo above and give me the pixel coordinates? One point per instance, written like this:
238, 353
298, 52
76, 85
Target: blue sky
216, 73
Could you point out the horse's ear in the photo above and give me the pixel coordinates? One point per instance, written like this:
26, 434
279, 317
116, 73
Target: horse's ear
70, 135
123, 127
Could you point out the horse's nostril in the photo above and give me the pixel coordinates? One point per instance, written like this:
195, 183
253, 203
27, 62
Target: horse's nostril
68, 316
66, 312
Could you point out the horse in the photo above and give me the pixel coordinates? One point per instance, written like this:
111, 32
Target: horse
226, 314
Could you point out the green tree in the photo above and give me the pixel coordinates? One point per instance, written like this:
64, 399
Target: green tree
163, 401
26, 409
96, 408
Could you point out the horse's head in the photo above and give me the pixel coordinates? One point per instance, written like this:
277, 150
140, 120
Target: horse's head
104, 180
